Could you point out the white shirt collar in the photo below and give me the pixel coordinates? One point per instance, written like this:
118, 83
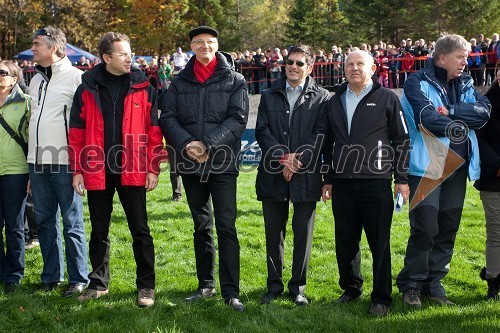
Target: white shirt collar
366, 88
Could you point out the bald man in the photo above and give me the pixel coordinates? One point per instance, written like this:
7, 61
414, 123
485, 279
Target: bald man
368, 130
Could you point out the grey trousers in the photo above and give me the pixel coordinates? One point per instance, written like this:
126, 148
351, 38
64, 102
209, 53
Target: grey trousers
491, 205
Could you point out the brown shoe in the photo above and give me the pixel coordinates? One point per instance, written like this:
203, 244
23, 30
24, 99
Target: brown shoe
379, 310
145, 297
441, 300
411, 297
91, 293
347, 298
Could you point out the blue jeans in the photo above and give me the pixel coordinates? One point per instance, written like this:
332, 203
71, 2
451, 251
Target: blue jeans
12, 195
51, 186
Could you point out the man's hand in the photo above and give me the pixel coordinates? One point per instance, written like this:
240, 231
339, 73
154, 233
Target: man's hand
28, 186
326, 192
404, 189
443, 110
197, 151
287, 174
291, 161
79, 184
151, 181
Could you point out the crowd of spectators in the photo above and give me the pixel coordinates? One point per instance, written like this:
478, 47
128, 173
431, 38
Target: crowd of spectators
260, 68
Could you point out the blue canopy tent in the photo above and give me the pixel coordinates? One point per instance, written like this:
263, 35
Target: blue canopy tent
74, 53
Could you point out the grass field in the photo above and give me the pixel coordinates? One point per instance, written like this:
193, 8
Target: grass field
30, 311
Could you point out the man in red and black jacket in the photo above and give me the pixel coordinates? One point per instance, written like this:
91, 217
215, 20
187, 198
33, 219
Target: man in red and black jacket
115, 145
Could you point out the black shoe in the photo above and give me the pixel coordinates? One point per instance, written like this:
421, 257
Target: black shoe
10, 287
299, 299
176, 198
75, 289
200, 293
270, 296
493, 285
379, 310
235, 303
49, 286
347, 298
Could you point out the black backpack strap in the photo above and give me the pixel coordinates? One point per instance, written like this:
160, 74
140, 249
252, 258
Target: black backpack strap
14, 135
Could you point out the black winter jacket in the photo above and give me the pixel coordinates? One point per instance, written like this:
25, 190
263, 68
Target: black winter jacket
488, 138
277, 135
377, 146
215, 112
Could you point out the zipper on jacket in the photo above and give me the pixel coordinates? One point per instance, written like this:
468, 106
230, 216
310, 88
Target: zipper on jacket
114, 113
403, 122
66, 123
39, 118
379, 155
40, 87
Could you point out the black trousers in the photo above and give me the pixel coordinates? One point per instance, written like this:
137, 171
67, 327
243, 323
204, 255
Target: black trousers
363, 204
133, 200
275, 219
434, 223
222, 189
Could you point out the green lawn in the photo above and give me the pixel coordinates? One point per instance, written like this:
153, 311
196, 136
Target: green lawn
30, 311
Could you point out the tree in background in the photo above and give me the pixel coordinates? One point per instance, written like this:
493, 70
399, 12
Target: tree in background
159, 26
393, 20
317, 23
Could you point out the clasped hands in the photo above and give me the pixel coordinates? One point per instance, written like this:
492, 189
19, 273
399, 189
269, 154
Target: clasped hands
197, 151
291, 165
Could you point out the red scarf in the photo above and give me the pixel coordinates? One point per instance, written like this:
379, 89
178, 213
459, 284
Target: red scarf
203, 72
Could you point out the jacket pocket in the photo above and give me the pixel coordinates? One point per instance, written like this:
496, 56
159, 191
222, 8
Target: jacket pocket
314, 184
265, 184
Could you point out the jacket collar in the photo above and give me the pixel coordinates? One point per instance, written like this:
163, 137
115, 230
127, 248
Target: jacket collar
224, 64
310, 85
16, 95
339, 90
433, 74
55, 68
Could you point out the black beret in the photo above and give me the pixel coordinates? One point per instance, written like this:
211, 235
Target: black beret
203, 30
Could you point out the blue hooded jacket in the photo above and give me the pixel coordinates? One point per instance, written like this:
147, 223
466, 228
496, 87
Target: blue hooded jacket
468, 110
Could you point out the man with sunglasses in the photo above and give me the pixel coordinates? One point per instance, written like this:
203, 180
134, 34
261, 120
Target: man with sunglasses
368, 145
116, 144
290, 130
51, 91
203, 116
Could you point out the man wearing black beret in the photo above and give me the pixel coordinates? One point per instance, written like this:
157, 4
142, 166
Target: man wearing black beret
204, 114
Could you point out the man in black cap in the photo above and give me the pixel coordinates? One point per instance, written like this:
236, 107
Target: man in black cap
204, 114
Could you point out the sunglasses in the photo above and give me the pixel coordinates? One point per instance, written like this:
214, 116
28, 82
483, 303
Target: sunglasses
42, 32
298, 62
4, 73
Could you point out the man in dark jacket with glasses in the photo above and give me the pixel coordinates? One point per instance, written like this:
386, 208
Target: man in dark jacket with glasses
290, 130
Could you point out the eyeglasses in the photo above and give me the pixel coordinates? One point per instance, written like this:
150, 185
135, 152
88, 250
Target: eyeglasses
201, 42
5, 73
42, 32
297, 62
125, 55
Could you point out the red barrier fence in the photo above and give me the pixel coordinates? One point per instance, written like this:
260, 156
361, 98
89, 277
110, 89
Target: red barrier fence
392, 72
